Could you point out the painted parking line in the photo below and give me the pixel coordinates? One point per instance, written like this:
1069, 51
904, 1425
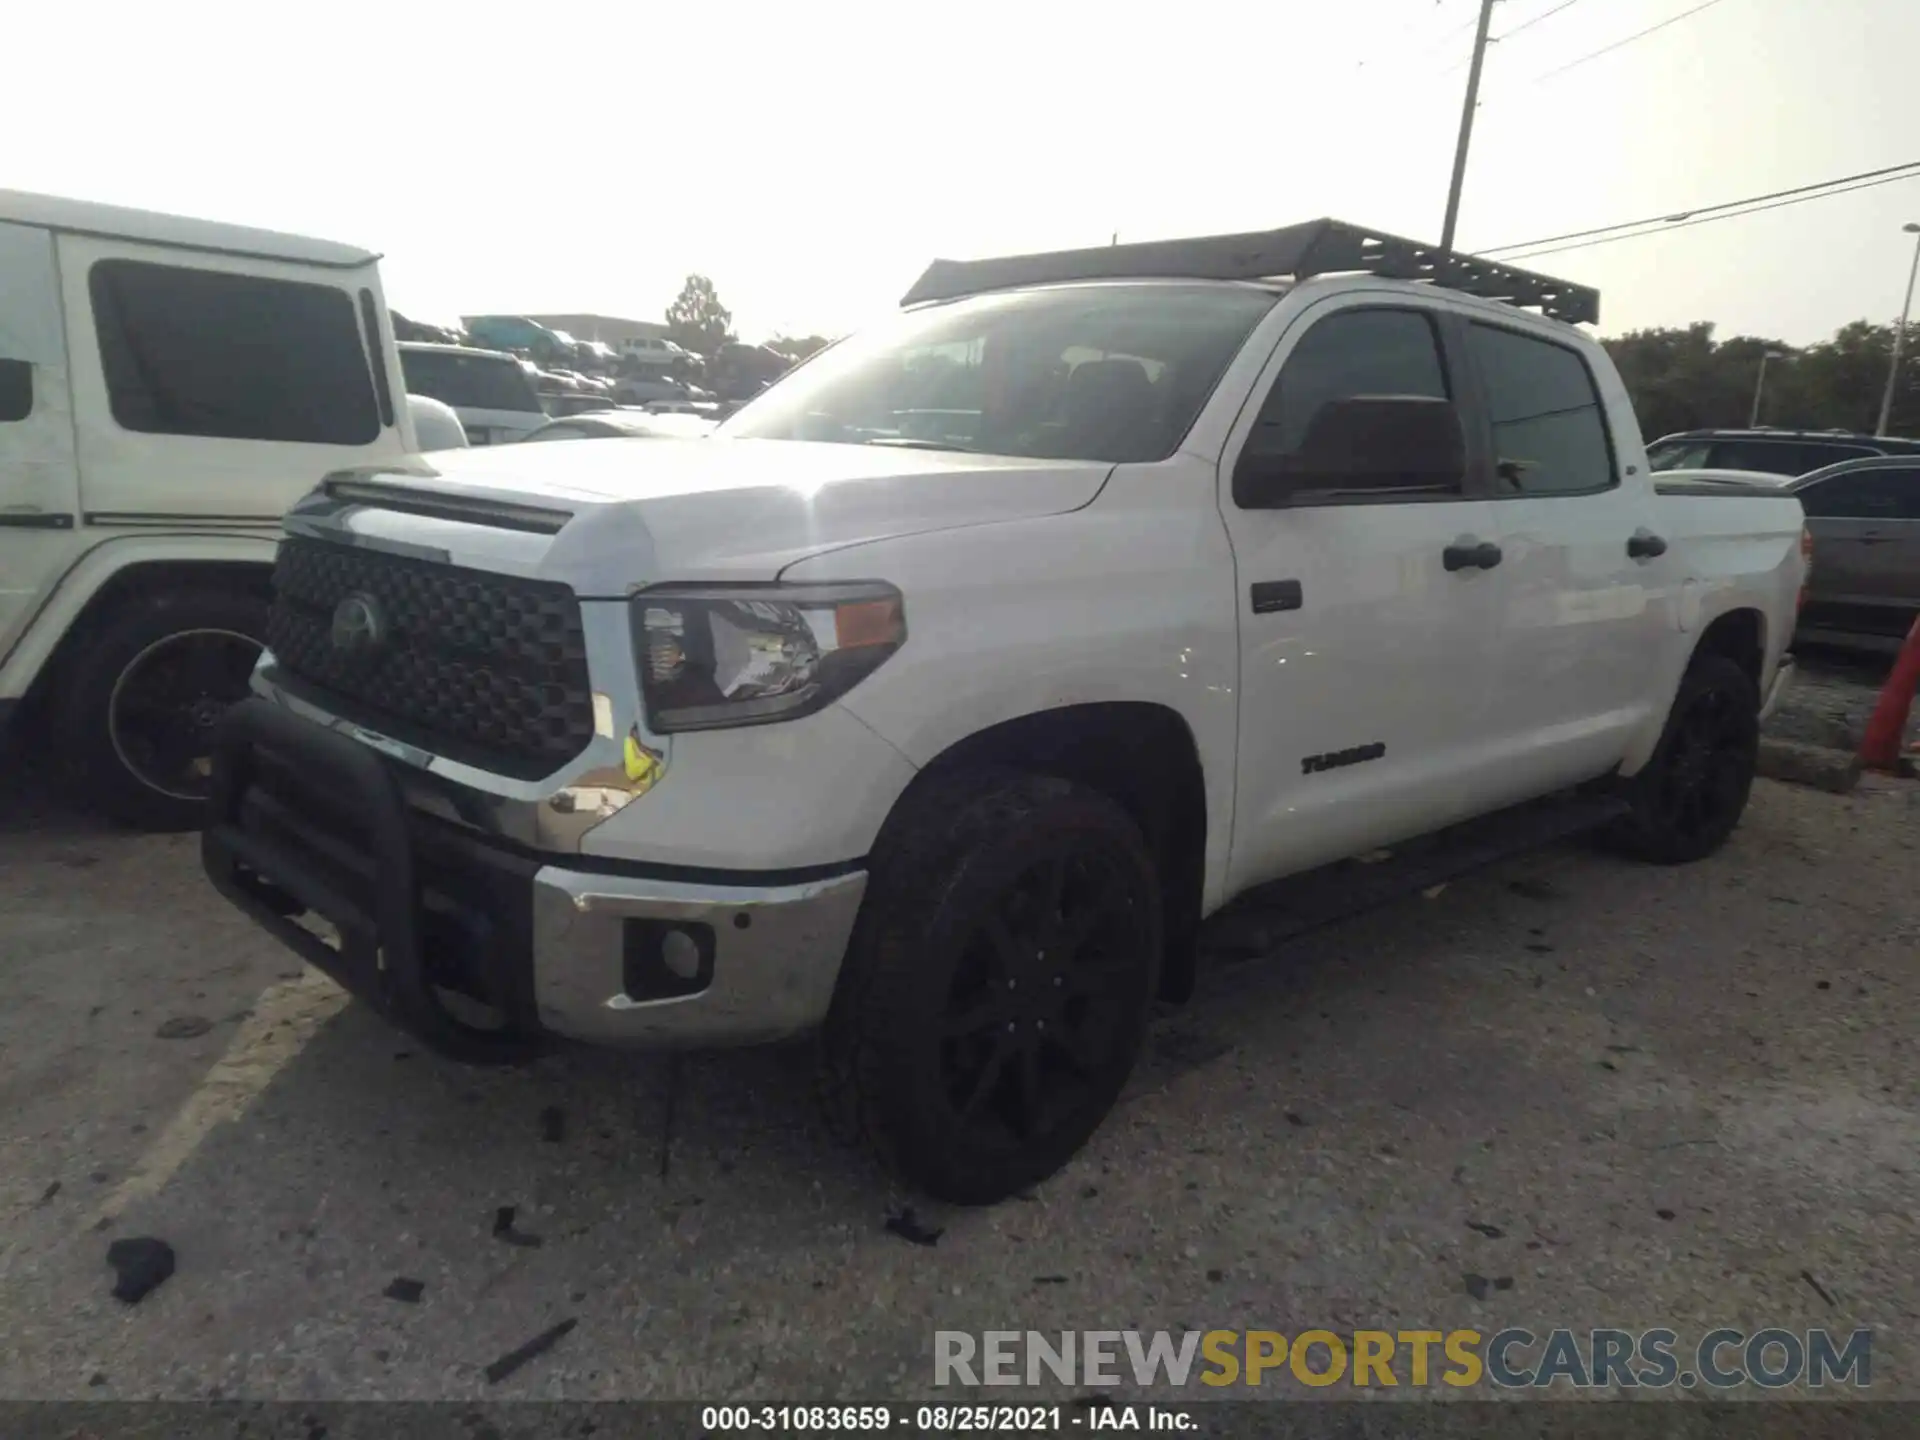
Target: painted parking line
284, 1018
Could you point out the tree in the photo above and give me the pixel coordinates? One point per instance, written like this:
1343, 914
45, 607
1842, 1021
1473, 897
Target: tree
1683, 380
797, 347
697, 320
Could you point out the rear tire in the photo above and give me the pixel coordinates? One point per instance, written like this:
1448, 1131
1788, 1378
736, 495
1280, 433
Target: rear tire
1690, 795
137, 705
997, 990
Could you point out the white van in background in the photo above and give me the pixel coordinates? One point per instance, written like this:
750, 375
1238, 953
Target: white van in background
488, 389
168, 387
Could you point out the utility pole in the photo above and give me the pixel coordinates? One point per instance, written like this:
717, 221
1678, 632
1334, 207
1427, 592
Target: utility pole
1466, 126
1760, 386
1899, 335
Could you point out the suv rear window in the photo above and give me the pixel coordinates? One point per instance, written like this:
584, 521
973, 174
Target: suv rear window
1866, 495
468, 382
231, 357
1782, 457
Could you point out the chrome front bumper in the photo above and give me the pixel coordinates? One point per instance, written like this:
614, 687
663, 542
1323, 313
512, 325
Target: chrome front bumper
430, 917
771, 954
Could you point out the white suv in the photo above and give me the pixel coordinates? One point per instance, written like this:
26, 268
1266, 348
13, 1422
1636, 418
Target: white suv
167, 388
488, 389
650, 351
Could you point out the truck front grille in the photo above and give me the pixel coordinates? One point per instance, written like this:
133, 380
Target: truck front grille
483, 668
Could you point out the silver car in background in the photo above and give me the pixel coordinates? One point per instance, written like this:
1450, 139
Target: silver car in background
1865, 518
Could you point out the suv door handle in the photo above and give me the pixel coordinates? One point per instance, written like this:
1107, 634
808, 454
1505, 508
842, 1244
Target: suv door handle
1469, 553
1645, 545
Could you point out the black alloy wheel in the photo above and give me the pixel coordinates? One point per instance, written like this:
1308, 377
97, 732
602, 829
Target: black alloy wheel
138, 691
1036, 1008
1691, 794
166, 704
997, 989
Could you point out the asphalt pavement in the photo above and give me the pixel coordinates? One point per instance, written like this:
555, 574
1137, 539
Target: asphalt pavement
1568, 1090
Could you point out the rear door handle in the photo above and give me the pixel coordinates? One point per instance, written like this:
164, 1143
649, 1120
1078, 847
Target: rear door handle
1645, 545
1469, 553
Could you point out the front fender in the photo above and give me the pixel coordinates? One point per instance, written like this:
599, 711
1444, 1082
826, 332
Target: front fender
1130, 599
67, 599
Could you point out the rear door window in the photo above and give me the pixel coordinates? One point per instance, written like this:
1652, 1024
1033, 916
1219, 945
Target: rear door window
470, 381
1549, 432
232, 357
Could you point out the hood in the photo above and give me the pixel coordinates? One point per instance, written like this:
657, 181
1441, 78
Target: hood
605, 516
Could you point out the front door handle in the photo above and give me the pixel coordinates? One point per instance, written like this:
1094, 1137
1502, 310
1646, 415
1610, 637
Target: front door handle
1468, 553
1645, 545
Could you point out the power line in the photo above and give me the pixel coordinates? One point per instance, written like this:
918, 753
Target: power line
1709, 219
1496, 39
1696, 210
1543, 15
1618, 44
1432, 47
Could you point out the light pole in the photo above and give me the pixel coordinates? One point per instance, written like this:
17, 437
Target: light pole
1466, 128
1760, 385
1899, 335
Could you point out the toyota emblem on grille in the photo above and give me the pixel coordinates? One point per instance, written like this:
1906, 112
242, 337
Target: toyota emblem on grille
359, 625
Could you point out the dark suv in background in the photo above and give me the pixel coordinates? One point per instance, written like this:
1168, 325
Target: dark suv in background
1774, 452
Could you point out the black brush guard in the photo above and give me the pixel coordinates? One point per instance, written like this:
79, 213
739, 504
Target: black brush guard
305, 820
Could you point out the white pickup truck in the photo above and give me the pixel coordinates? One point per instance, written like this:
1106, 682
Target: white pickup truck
934, 702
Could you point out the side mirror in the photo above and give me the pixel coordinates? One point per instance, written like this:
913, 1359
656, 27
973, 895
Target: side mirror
1361, 445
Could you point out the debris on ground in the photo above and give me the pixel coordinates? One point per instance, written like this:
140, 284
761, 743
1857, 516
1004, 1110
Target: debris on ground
503, 1229
142, 1264
47, 1194
184, 1027
1492, 1232
533, 1349
553, 1124
1818, 1288
908, 1227
1530, 889
407, 1292
1434, 892
1476, 1285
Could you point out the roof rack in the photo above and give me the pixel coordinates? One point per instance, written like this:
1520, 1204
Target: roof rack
1317, 247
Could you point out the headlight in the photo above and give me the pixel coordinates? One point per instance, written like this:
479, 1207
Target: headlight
723, 655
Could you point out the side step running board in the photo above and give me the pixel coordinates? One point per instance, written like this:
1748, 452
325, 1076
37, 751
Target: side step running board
1272, 914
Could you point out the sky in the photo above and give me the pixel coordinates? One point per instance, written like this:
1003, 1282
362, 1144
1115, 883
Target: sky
812, 156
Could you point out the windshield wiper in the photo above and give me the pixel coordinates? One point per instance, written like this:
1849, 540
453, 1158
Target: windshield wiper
909, 442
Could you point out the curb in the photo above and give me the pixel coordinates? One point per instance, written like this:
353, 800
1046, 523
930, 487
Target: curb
1823, 768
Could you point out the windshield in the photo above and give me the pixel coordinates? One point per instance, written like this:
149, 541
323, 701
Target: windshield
469, 382
1095, 372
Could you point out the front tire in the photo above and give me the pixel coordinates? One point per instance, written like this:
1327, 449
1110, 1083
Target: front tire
1690, 795
997, 990
138, 706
